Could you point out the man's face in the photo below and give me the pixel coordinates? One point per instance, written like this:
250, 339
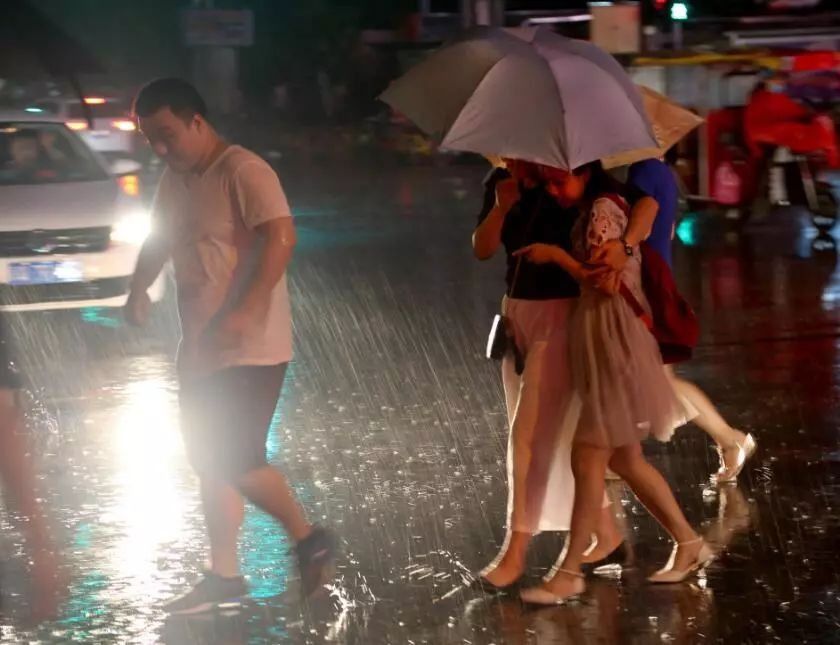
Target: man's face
179, 141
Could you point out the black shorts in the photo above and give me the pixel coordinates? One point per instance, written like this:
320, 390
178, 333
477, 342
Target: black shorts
225, 418
9, 377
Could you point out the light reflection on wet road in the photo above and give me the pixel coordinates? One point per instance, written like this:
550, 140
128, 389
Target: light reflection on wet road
392, 424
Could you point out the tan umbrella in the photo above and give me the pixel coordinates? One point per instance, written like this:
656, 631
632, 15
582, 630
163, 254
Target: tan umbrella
670, 122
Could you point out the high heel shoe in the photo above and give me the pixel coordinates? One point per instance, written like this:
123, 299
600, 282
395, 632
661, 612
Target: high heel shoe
669, 575
619, 555
480, 583
728, 475
544, 598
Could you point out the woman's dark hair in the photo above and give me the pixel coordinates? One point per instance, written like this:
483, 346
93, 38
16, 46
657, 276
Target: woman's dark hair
600, 182
174, 93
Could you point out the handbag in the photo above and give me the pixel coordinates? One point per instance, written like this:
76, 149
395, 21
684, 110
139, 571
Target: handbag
497, 341
671, 320
501, 340
675, 325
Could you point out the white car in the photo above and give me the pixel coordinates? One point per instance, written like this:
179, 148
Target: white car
114, 132
70, 231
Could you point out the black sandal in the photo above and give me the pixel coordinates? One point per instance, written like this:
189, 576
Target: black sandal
620, 555
316, 560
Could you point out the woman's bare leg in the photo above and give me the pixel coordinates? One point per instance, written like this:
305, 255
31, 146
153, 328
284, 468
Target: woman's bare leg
17, 475
650, 487
607, 537
607, 534
536, 403
509, 563
589, 465
709, 420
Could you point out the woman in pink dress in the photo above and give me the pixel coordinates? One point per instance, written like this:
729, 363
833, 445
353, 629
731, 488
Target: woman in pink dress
618, 376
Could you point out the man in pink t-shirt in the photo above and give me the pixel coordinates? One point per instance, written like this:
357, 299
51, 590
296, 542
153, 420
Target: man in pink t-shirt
221, 217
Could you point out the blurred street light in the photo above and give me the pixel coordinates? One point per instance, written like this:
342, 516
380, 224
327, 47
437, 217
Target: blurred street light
679, 11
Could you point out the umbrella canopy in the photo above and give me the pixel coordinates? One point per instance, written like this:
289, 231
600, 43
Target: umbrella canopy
526, 94
670, 122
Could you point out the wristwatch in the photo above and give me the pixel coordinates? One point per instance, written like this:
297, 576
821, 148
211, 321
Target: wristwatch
628, 250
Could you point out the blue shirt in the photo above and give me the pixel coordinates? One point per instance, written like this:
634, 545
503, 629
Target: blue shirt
656, 178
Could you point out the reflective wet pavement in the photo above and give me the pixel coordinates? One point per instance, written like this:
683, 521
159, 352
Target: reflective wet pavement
392, 425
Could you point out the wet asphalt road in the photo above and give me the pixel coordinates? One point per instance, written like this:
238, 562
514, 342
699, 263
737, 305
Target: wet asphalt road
392, 427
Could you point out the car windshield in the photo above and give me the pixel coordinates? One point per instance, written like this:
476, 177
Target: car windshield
44, 153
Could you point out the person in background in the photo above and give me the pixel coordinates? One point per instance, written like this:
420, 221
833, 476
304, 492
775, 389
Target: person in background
22, 158
51, 148
222, 217
656, 178
20, 490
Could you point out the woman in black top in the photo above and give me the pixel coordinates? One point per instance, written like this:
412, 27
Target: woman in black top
517, 212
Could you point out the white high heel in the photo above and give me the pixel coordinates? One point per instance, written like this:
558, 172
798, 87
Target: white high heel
543, 597
728, 475
669, 575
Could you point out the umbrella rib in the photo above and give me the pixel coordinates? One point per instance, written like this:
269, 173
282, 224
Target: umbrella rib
564, 134
484, 76
639, 110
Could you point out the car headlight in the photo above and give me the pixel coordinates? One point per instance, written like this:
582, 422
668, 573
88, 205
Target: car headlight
132, 228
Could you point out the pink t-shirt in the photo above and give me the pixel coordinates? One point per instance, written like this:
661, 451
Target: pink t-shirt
210, 221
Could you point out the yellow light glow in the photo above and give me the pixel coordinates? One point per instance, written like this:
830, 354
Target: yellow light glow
153, 493
132, 227
125, 125
130, 185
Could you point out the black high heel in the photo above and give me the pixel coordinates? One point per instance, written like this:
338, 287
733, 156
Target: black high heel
619, 555
483, 585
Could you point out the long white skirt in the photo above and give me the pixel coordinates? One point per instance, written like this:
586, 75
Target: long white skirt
543, 416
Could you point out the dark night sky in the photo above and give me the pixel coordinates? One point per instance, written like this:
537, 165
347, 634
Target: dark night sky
142, 38
125, 34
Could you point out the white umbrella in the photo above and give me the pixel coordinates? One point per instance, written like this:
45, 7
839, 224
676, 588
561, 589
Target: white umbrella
525, 94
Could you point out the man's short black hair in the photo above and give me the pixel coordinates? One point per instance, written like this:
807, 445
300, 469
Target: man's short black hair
174, 93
